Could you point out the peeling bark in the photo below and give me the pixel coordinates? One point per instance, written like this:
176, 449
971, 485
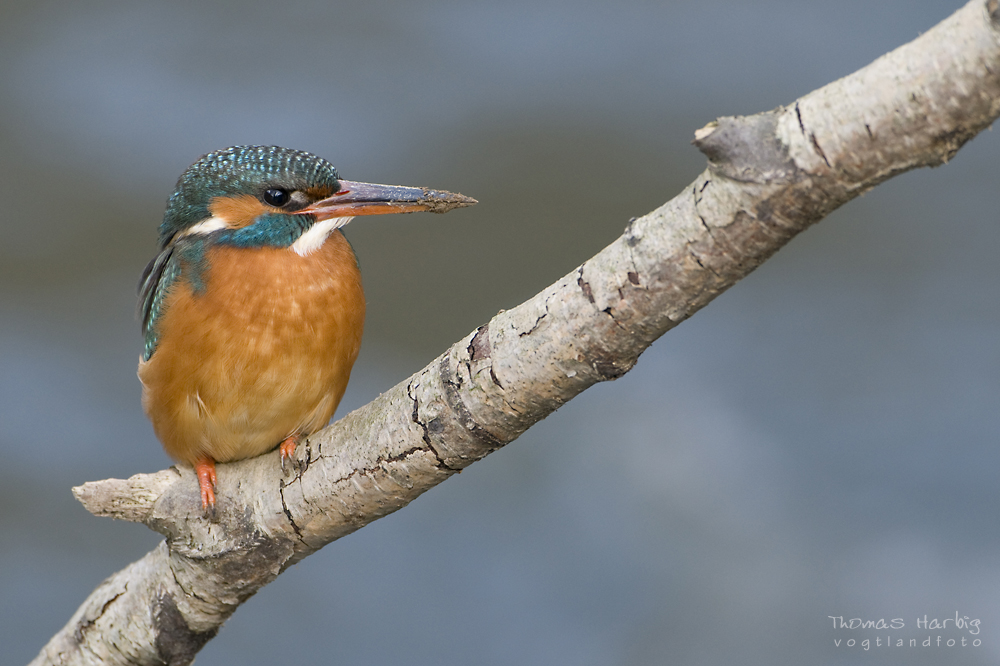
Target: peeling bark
769, 177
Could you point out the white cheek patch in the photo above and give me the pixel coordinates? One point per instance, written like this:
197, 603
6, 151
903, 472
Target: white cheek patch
316, 235
206, 226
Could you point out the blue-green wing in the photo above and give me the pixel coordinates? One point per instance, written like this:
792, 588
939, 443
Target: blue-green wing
154, 285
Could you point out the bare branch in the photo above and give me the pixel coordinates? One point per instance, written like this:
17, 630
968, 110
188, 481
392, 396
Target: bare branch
769, 177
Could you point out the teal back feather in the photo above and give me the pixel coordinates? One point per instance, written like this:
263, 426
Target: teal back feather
184, 259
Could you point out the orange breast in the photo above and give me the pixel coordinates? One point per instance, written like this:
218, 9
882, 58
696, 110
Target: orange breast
264, 352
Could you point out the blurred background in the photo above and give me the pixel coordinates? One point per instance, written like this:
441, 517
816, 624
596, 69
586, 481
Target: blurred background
820, 441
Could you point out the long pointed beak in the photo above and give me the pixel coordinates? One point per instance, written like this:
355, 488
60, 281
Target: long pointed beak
370, 199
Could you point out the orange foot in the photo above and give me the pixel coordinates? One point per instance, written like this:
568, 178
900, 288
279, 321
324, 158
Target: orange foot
204, 467
287, 449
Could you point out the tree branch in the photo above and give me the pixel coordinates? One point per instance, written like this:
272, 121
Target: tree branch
769, 177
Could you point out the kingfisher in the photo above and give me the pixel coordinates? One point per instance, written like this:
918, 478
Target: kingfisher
252, 311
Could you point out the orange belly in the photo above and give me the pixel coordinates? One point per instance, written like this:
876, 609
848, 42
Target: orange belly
262, 353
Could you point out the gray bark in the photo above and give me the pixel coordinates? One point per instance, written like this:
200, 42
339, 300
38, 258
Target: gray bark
769, 177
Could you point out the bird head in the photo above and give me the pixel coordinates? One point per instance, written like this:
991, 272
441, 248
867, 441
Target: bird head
268, 195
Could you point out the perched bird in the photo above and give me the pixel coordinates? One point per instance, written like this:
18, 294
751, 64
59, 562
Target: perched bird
252, 311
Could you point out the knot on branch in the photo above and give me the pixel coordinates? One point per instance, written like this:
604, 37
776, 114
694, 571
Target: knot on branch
746, 148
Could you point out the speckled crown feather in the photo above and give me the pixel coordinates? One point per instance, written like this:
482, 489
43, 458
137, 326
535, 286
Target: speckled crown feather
240, 170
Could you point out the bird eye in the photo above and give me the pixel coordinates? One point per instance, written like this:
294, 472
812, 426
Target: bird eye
276, 197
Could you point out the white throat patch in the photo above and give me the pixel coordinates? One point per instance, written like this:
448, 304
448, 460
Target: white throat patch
316, 235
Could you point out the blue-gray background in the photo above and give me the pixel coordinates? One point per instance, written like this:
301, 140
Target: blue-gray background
819, 441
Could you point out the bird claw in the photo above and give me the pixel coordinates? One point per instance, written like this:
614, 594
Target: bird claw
204, 467
287, 451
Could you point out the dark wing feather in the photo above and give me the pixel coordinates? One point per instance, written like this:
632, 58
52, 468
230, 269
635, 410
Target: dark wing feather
155, 283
